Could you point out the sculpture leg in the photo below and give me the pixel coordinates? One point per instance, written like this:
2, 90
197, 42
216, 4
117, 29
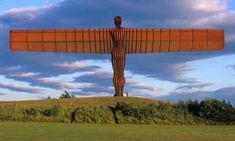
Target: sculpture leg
118, 62
121, 76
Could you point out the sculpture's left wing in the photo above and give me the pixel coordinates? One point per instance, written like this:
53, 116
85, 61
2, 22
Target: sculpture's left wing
173, 40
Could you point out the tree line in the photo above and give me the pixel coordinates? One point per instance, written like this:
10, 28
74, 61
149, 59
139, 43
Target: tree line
210, 109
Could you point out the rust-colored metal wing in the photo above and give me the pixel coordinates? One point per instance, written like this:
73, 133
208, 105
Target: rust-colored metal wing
173, 40
72, 40
100, 41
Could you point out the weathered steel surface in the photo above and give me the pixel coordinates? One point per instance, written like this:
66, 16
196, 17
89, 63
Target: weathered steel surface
118, 42
118, 60
72, 40
99, 40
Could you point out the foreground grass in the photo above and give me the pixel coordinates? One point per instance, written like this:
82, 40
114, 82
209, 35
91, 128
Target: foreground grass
19, 131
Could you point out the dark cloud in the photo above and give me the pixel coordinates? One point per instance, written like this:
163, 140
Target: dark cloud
2, 94
103, 84
91, 13
102, 78
34, 73
131, 84
227, 94
171, 66
231, 66
19, 88
76, 13
99, 90
198, 86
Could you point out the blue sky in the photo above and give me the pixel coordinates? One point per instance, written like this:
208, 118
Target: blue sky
170, 76
9, 4
232, 4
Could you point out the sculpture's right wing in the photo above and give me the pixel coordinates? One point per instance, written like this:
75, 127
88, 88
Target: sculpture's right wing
68, 40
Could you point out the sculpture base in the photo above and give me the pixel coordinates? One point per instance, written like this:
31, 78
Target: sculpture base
118, 95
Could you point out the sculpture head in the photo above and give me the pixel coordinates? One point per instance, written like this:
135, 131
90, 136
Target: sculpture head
118, 21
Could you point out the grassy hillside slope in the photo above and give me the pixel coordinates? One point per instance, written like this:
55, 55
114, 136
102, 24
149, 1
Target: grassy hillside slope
95, 101
111, 110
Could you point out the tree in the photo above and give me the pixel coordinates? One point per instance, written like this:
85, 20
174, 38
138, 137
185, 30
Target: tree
211, 109
66, 94
193, 106
216, 110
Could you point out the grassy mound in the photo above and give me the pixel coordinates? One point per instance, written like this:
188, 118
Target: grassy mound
97, 101
112, 110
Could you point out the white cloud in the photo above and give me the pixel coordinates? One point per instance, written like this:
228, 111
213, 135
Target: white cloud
16, 68
29, 74
73, 65
142, 89
131, 83
24, 13
208, 21
101, 73
210, 5
65, 84
17, 71
230, 38
73, 85
181, 69
19, 14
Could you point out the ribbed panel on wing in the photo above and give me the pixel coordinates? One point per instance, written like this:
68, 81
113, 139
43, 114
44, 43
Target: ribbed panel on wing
72, 40
100, 41
173, 40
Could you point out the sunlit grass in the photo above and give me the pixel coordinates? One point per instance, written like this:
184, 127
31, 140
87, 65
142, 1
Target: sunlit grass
84, 101
16, 131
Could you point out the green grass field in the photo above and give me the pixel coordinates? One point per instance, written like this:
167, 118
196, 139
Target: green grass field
19, 131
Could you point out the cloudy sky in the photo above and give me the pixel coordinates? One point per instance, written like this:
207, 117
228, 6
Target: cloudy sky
165, 76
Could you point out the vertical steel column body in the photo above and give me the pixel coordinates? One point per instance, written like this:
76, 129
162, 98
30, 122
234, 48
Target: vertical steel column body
118, 60
118, 56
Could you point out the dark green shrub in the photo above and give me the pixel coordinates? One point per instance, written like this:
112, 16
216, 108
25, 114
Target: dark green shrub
211, 110
53, 111
193, 106
216, 110
31, 112
66, 94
